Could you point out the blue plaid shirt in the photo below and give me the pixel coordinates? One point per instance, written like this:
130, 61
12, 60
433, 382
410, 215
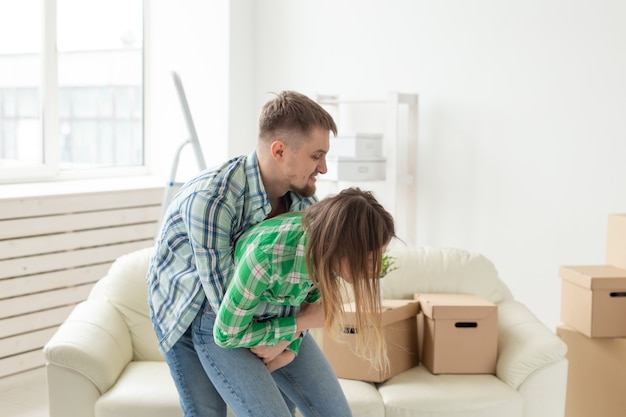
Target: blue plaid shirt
193, 258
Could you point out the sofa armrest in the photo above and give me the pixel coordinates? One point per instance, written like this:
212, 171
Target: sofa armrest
525, 344
70, 393
545, 391
93, 341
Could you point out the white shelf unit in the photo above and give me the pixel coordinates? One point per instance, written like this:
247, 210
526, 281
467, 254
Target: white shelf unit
400, 140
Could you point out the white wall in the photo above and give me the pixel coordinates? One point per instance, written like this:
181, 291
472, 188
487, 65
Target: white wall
522, 105
522, 115
190, 37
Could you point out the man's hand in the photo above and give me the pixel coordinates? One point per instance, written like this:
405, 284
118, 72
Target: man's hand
281, 360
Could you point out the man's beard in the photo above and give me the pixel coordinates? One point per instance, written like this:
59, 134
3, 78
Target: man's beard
306, 191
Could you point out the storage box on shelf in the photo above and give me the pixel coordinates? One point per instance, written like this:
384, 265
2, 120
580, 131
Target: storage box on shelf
460, 334
357, 145
356, 157
351, 169
390, 157
593, 299
400, 332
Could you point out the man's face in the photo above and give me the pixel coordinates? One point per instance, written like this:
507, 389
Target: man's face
303, 164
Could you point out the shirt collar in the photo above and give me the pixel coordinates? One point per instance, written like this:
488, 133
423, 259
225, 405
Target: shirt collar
259, 197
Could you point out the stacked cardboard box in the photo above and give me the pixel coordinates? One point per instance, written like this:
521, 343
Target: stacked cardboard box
597, 374
455, 333
593, 299
616, 241
593, 310
399, 319
460, 334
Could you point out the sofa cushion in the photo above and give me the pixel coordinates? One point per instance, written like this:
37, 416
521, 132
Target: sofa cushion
418, 393
363, 398
145, 389
442, 270
126, 289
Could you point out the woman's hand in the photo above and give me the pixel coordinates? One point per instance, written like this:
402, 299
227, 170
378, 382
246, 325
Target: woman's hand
281, 360
269, 353
274, 357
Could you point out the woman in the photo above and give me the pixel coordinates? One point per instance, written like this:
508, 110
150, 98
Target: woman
283, 267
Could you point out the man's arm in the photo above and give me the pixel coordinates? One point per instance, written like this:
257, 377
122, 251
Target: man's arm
209, 220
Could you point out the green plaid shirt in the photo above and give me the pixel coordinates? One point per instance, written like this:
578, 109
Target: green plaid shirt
269, 284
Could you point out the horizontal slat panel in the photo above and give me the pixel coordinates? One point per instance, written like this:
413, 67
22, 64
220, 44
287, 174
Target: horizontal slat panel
73, 203
12, 307
36, 245
20, 363
10, 268
34, 321
38, 226
52, 280
53, 248
25, 342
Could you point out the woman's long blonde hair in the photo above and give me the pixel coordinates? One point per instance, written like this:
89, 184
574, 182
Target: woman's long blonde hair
351, 226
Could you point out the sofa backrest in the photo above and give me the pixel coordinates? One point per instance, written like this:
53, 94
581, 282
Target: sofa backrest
126, 289
442, 270
417, 270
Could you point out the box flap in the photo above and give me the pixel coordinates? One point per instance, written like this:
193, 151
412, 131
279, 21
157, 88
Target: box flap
392, 311
595, 276
455, 306
616, 240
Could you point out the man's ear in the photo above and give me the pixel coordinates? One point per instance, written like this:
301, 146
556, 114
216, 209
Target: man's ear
277, 149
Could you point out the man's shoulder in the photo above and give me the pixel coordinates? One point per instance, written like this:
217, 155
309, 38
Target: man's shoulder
221, 178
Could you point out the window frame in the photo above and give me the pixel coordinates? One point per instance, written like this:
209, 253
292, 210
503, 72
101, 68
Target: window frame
50, 168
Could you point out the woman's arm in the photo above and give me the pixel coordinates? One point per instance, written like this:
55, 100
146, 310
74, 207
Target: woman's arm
234, 326
311, 316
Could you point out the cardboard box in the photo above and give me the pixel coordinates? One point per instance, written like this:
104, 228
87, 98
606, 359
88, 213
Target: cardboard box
597, 375
357, 145
616, 241
351, 169
593, 299
460, 334
400, 333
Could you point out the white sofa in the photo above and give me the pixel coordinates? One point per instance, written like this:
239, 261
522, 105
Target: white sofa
104, 361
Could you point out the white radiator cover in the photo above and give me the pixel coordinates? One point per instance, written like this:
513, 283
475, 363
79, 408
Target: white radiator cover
53, 248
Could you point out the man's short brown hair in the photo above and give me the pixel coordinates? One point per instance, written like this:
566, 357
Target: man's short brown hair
292, 112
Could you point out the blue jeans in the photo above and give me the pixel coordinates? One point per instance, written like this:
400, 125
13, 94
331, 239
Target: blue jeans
204, 373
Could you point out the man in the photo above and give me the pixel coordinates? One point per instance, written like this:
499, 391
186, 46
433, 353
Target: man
193, 257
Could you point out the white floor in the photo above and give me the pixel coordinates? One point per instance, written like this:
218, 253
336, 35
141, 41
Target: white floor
24, 395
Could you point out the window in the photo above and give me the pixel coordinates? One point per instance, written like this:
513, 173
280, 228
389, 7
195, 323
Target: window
71, 87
